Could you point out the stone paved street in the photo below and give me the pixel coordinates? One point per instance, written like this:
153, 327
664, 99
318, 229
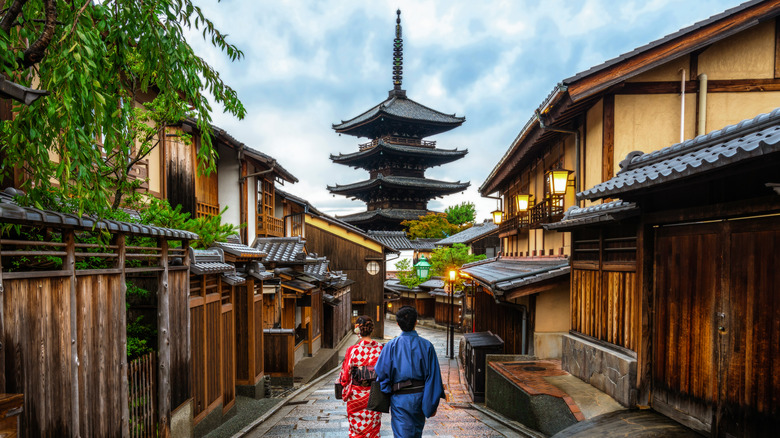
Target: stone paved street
316, 413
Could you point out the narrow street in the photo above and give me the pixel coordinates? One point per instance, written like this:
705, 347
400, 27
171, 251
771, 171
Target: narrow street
317, 413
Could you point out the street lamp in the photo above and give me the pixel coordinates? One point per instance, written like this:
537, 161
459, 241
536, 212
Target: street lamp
557, 180
498, 216
423, 267
451, 328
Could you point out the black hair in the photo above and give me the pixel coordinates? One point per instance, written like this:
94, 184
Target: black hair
365, 324
406, 317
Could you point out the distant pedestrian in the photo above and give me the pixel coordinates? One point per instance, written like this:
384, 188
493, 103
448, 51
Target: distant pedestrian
357, 372
408, 368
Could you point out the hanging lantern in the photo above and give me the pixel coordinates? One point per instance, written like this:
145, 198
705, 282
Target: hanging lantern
423, 267
498, 216
557, 180
522, 202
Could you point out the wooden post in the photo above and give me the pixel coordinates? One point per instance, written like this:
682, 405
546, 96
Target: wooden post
2, 328
186, 245
164, 345
70, 264
120, 261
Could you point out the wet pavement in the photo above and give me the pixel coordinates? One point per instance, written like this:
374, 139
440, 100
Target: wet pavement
315, 412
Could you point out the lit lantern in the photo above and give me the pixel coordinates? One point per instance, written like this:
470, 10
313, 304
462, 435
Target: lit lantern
558, 179
453, 275
423, 267
522, 202
498, 216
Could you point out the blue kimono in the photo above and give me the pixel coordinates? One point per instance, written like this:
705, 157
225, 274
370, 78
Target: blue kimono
410, 357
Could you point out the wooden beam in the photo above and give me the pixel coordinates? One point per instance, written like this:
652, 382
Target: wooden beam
713, 86
648, 59
2, 331
777, 47
120, 264
608, 140
164, 346
533, 289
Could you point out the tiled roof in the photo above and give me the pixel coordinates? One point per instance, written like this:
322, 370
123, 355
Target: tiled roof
424, 244
253, 153
239, 250
317, 269
748, 139
10, 212
403, 108
281, 249
402, 182
232, 278
433, 283
470, 234
444, 293
502, 275
389, 213
607, 212
257, 270
209, 261
394, 286
438, 156
300, 285
392, 239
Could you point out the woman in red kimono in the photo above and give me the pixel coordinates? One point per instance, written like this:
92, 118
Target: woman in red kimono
357, 371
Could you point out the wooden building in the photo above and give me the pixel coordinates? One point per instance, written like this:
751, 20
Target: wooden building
694, 81
336, 299
480, 238
350, 251
396, 156
692, 248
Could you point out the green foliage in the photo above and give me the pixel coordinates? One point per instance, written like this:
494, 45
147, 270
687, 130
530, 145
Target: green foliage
140, 337
407, 275
465, 213
430, 226
97, 59
210, 229
445, 258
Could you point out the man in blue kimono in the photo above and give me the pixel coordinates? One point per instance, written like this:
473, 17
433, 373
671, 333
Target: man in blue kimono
408, 368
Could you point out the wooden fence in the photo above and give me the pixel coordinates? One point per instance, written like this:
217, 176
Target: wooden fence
142, 380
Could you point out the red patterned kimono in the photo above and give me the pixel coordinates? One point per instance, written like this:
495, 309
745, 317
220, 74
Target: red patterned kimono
362, 422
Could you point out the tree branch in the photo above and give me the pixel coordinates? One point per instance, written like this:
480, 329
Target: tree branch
10, 16
35, 52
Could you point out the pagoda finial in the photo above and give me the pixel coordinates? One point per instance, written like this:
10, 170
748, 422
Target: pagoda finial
398, 54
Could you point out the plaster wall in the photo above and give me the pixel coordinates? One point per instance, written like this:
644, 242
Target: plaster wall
227, 168
725, 109
747, 55
406, 254
594, 141
251, 205
552, 310
154, 169
669, 71
650, 122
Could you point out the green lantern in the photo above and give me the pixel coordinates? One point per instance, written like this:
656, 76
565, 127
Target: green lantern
422, 267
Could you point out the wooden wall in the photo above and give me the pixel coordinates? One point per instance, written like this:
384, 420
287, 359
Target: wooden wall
249, 332
337, 320
351, 258
426, 308
280, 353
180, 335
442, 314
503, 320
180, 168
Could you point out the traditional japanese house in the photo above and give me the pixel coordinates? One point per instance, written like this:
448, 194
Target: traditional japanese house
692, 312
480, 238
351, 251
396, 156
248, 311
337, 300
708, 75
418, 297
212, 334
244, 181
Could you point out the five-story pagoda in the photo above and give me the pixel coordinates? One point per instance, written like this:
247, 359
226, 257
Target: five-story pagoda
397, 156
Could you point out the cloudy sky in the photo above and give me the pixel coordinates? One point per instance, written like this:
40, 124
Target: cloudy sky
309, 64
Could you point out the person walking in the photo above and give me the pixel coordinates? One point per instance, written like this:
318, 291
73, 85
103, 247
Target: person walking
409, 370
356, 375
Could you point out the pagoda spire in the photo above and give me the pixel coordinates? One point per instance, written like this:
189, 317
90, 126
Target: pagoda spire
398, 55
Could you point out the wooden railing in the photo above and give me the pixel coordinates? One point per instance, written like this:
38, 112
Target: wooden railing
517, 222
397, 140
549, 210
142, 381
269, 226
205, 209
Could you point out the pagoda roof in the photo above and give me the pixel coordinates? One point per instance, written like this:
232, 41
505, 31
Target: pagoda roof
393, 214
398, 108
433, 156
436, 187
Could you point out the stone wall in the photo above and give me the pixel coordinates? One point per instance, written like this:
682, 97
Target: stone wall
606, 369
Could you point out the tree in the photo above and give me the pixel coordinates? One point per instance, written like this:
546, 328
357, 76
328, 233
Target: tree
430, 226
444, 259
98, 60
407, 274
465, 213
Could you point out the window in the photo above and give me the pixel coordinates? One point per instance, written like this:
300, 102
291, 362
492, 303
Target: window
373, 267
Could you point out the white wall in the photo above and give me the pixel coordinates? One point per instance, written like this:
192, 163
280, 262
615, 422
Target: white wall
227, 166
406, 254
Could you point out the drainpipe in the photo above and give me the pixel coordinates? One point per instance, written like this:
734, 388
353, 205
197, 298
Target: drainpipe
702, 125
577, 146
682, 106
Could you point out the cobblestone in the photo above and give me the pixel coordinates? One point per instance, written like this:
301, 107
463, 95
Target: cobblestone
317, 413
